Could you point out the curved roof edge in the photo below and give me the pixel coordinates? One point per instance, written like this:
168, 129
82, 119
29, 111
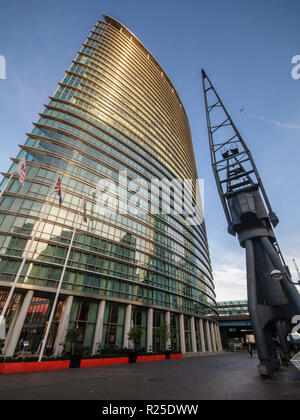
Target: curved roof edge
119, 25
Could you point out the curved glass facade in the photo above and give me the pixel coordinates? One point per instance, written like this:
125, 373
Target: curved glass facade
115, 110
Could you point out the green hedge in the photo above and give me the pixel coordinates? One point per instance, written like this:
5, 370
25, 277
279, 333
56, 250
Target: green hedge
25, 359
104, 356
55, 359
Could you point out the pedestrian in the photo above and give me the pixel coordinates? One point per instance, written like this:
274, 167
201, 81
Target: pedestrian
250, 350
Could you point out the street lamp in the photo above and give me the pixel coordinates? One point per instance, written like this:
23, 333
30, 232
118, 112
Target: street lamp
276, 275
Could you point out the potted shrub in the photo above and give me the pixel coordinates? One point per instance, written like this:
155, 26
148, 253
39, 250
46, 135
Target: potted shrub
72, 338
168, 352
164, 334
30, 358
134, 335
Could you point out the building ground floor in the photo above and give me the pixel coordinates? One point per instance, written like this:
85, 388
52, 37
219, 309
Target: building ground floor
101, 324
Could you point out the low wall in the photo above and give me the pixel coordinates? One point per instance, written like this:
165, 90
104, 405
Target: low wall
64, 364
33, 366
104, 362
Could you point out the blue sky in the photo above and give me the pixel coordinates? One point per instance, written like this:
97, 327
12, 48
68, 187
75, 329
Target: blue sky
245, 47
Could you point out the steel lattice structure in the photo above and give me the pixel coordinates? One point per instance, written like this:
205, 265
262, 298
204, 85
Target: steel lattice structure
232, 162
272, 303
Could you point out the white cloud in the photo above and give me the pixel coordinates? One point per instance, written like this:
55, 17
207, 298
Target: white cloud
230, 277
230, 281
229, 271
277, 123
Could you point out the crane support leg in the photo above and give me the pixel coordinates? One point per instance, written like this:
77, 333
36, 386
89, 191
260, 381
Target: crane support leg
265, 367
283, 330
267, 307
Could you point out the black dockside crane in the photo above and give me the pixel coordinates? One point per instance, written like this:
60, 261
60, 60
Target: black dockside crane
273, 299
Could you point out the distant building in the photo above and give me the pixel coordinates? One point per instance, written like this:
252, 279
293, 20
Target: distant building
234, 322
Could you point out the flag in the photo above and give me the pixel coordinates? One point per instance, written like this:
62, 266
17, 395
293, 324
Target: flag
84, 210
57, 189
21, 169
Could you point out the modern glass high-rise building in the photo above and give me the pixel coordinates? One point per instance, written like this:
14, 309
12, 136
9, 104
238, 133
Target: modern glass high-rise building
115, 111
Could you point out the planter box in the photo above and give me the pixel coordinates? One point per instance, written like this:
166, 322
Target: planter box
56, 365
153, 358
141, 359
34, 366
176, 356
91, 363
64, 364
160, 357
104, 362
115, 361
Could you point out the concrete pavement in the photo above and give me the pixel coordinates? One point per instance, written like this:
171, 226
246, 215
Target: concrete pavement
228, 376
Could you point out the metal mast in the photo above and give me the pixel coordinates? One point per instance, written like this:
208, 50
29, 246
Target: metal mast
232, 161
297, 268
272, 298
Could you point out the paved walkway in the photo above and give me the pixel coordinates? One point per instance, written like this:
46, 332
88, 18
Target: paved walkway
223, 376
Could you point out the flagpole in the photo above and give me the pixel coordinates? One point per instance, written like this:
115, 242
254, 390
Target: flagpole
10, 295
2, 318
11, 175
58, 289
5, 186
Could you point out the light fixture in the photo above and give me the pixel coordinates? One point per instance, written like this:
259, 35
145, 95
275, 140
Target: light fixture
276, 275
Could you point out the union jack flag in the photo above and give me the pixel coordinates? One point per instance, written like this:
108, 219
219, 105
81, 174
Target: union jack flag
57, 189
21, 169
